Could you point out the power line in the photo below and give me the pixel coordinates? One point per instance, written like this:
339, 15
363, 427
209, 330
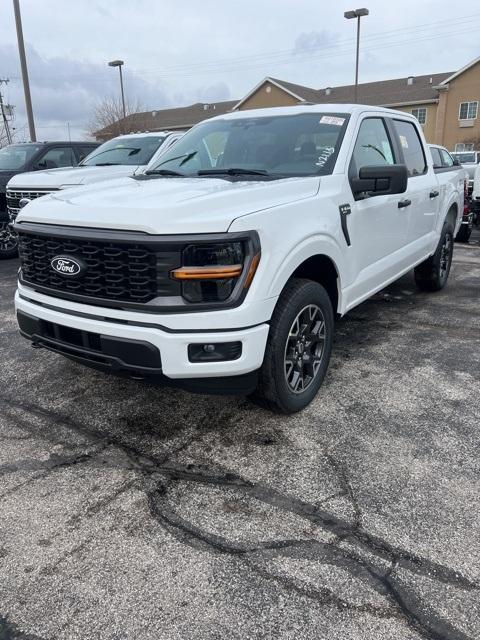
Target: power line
279, 54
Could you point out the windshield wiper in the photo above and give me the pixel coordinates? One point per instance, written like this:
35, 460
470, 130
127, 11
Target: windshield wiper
186, 157
233, 171
162, 172
105, 164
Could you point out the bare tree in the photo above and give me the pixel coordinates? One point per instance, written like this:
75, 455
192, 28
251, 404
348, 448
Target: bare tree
108, 114
3, 136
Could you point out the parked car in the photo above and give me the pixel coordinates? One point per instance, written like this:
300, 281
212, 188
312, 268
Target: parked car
119, 157
475, 200
32, 156
222, 267
443, 165
469, 160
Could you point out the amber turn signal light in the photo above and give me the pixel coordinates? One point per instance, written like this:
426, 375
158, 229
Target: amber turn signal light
215, 272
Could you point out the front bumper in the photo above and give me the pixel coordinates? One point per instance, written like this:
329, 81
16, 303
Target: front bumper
172, 345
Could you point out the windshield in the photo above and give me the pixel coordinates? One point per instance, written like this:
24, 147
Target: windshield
464, 157
278, 146
16, 156
128, 151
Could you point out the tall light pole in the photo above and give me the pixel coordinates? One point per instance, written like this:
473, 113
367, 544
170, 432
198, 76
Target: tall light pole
119, 64
356, 13
23, 65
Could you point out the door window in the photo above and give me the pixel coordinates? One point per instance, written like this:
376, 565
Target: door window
412, 147
83, 152
373, 145
436, 157
447, 159
57, 157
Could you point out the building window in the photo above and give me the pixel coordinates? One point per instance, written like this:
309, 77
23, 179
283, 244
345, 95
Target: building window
468, 110
464, 146
420, 114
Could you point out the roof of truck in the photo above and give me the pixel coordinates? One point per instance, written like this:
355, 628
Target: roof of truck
146, 134
309, 108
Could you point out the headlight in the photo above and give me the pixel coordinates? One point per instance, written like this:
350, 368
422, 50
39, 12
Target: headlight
217, 271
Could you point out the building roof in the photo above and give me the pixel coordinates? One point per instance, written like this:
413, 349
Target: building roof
173, 118
388, 92
421, 89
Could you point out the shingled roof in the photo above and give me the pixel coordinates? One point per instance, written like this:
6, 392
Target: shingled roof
383, 93
166, 119
386, 92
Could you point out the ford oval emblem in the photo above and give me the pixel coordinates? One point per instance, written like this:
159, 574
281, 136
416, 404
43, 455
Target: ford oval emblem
67, 266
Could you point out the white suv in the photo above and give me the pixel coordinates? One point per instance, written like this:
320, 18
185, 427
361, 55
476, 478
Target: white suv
221, 268
122, 156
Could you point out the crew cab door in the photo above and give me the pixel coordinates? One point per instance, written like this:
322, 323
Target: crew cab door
423, 189
377, 224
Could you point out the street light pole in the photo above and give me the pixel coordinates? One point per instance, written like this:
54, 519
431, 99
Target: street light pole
356, 13
119, 64
23, 65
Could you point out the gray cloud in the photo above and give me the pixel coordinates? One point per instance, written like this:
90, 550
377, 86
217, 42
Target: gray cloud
311, 42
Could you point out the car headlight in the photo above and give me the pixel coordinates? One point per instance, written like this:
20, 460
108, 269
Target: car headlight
218, 271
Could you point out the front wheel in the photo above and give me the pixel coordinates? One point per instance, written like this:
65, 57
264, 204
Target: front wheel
432, 274
298, 348
8, 241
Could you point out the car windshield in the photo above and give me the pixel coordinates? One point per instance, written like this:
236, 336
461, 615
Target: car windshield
269, 146
16, 156
465, 157
128, 151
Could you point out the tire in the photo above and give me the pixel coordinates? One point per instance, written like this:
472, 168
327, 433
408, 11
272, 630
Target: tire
298, 348
8, 242
464, 233
432, 274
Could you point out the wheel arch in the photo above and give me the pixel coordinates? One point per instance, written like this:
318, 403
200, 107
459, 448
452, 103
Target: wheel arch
321, 263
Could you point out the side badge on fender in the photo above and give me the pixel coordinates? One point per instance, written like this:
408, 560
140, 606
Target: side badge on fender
345, 210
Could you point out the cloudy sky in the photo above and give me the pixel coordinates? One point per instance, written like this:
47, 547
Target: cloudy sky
181, 51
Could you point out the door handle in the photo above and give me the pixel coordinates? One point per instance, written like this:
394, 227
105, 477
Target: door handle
404, 203
434, 194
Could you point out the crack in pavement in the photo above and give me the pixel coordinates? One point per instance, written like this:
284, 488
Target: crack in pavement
411, 608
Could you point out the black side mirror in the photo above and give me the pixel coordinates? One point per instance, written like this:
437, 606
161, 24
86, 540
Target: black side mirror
456, 162
379, 180
41, 165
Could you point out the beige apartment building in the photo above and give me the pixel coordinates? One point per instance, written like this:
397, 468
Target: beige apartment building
445, 104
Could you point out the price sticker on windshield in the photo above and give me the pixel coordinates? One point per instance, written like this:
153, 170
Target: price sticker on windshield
335, 120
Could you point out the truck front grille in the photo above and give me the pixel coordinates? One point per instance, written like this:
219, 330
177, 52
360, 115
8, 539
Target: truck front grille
15, 195
119, 272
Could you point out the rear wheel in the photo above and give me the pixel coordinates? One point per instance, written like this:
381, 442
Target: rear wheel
8, 241
432, 274
298, 348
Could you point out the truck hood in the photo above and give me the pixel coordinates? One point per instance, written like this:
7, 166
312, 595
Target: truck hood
166, 205
69, 176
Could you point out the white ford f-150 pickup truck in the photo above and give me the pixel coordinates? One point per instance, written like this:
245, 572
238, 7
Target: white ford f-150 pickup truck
119, 157
221, 269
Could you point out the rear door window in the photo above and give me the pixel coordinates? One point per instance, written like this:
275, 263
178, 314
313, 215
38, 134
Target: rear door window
411, 146
83, 152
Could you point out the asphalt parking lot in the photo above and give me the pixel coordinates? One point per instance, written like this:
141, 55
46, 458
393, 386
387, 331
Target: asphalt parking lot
130, 512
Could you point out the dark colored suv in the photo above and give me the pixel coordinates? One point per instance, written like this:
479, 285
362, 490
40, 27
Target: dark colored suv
33, 156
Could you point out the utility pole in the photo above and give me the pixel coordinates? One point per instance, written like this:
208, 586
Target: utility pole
4, 115
23, 64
